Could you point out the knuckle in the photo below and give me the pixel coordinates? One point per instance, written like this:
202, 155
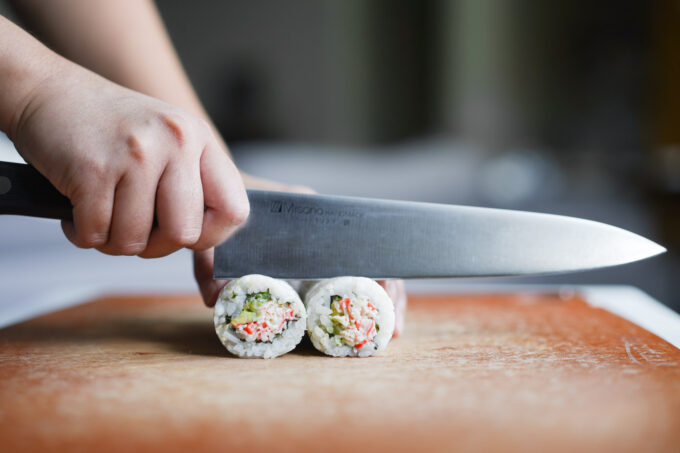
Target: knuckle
91, 233
138, 140
130, 248
174, 123
158, 253
95, 169
92, 239
99, 226
81, 243
184, 237
135, 149
238, 214
187, 132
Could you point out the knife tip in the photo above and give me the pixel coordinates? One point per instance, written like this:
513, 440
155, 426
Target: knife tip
649, 248
656, 249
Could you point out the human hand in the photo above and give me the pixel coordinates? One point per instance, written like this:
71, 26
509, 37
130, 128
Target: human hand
144, 177
203, 260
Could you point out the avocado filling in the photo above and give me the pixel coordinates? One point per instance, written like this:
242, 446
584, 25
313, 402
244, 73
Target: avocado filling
262, 317
351, 321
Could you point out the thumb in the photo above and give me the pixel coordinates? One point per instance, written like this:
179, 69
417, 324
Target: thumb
203, 273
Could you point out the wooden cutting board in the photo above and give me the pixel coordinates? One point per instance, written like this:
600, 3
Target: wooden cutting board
530, 372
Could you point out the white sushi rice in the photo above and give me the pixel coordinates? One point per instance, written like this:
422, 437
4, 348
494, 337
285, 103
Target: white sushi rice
361, 290
230, 303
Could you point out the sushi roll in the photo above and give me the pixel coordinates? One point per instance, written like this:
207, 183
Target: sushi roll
349, 316
259, 317
395, 289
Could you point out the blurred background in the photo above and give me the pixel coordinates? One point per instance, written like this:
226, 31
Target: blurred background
568, 107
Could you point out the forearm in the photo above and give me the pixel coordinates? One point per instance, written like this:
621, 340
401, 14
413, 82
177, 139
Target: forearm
122, 40
24, 64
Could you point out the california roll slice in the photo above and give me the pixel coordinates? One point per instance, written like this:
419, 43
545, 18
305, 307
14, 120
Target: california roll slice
259, 317
349, 316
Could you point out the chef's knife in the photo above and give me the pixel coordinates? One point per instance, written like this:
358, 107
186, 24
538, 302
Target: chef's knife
300, 236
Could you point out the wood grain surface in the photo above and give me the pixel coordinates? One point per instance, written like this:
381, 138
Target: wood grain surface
529, 372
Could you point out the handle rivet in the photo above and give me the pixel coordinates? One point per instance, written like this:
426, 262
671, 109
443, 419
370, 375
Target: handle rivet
5, 185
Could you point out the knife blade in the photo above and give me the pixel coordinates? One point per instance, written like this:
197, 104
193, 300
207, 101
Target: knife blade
301, 236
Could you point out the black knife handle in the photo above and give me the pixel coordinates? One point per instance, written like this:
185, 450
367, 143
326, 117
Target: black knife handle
24, 191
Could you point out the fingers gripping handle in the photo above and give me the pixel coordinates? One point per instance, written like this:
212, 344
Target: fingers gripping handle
24, 191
